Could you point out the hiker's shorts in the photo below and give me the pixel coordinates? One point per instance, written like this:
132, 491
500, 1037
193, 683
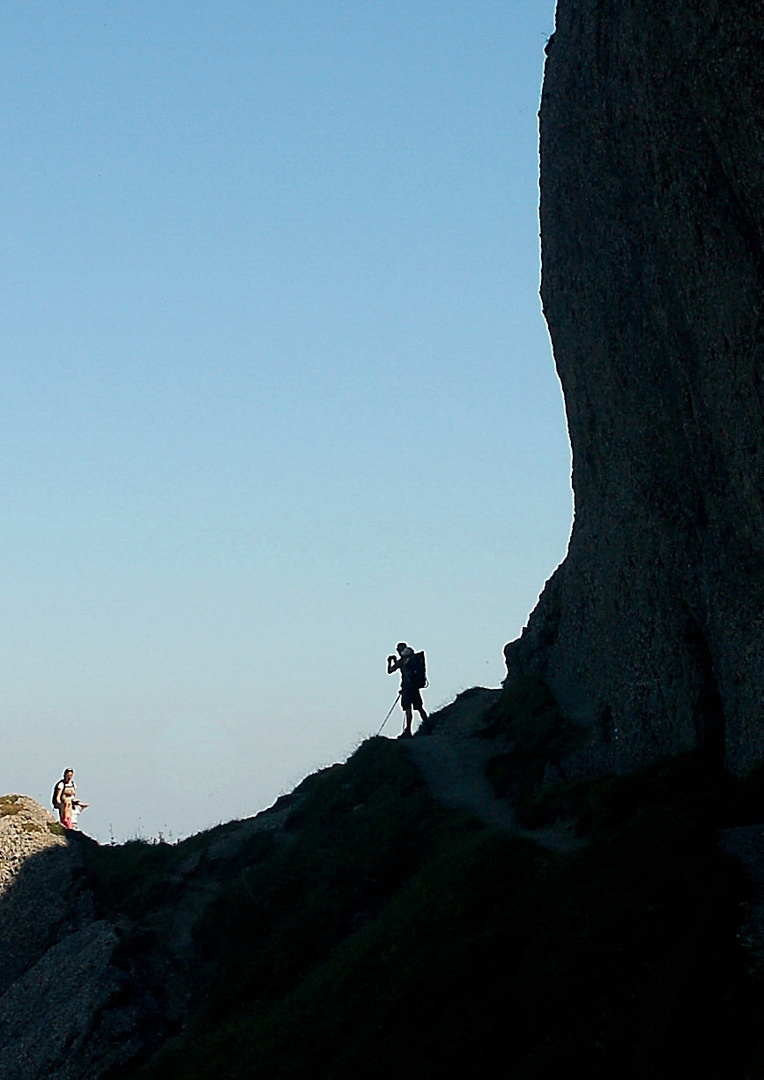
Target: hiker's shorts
411, 698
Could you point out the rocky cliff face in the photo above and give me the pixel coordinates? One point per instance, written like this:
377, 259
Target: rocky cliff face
651, 633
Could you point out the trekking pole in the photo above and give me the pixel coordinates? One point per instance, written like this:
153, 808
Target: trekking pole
388, 715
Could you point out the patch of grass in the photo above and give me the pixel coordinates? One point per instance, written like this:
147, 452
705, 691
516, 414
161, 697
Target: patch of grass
128, 879
135, 877
31, 827
10, 804
56, 828
357, 833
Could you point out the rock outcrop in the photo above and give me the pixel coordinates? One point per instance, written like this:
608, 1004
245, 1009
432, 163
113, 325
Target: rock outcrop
67, 1009
41, 901
651, 633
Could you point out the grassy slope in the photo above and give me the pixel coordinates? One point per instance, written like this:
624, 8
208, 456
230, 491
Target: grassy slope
382, 935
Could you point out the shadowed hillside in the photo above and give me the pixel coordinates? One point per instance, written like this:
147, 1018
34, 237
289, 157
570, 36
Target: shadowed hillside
361, 928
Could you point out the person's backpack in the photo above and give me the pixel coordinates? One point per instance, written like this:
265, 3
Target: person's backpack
55, 800
416, 671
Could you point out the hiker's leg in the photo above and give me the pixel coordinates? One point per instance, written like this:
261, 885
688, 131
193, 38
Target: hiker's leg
407, 727
425, 727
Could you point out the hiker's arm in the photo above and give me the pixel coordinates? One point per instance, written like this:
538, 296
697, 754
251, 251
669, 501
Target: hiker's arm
392, 664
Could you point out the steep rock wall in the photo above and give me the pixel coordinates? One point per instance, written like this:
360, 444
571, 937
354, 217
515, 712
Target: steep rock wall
651, 633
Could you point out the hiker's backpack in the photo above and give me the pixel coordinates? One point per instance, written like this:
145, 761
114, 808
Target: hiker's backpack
55, 800
416, 671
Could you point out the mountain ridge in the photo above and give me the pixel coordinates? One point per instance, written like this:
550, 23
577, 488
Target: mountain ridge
360, 926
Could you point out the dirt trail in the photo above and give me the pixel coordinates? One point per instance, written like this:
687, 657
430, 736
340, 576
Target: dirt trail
452, 761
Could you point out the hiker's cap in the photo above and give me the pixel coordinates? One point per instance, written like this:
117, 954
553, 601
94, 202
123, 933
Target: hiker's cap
401, 646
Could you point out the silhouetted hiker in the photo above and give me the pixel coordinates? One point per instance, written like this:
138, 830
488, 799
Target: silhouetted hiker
413, 678
65, 800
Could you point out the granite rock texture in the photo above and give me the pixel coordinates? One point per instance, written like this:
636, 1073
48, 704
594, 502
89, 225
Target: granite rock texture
69, 1009
651, 633
42, 899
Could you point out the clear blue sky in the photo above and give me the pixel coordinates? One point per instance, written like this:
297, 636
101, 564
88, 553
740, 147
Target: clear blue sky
276, 389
